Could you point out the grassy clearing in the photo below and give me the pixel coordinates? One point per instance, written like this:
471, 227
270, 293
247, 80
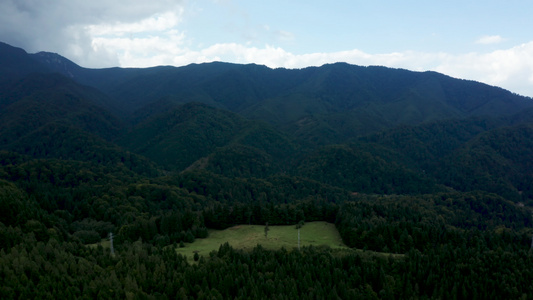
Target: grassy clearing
249, 236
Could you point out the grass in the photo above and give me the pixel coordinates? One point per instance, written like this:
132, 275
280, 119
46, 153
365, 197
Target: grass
246, 237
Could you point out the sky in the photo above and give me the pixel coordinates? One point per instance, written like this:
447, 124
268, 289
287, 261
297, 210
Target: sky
488, 41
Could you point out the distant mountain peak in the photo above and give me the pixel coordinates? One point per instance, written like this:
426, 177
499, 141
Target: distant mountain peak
57, 63
15, 63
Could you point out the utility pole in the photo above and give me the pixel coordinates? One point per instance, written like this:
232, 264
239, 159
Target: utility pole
298, 238
266, 230
298, 226
111, 244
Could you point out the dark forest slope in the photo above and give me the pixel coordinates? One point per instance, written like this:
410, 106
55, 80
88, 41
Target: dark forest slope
222, 139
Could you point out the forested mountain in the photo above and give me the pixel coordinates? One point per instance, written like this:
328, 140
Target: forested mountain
15, 63
328, 104
427, 177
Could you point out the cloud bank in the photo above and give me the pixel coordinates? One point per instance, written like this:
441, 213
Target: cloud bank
490, 39
70, 27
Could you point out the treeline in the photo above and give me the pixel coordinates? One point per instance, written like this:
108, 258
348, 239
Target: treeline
445, 245
400, 223
55, 269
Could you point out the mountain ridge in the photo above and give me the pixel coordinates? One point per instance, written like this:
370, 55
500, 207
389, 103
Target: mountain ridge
217, 81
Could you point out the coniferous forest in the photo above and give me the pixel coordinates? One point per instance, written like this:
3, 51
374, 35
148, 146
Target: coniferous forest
427, 178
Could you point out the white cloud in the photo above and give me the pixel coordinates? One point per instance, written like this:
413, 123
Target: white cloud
144, 51
156, 22
510, 68
490, 39
69, 27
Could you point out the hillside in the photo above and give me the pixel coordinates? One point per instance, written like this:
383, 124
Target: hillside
363, 129
194, 131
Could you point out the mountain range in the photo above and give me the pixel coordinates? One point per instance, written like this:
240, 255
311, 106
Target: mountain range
107, 177
364, 129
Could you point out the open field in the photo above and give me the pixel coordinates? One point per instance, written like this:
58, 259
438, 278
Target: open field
249, 236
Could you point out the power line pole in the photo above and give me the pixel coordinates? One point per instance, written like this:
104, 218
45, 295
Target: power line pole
298, 238
111, 244
298, 226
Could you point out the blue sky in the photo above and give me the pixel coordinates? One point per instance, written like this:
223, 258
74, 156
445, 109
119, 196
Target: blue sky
487, 41
370, 26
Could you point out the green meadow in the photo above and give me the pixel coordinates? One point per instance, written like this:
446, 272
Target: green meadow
248, 236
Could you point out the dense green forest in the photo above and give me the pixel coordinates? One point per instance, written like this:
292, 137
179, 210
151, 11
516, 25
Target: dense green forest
427, 179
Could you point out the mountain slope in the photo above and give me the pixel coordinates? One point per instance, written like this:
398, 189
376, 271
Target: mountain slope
470, 154
423, 145
192, 131
498, 161
363, 129
50, 116
42, 98
365, 170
